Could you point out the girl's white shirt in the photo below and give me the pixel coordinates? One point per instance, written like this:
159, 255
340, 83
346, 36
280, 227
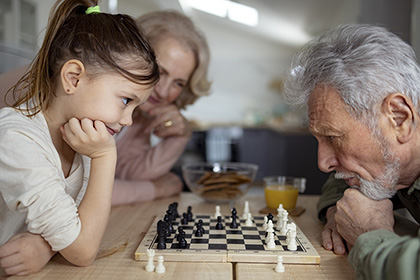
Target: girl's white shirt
34, 194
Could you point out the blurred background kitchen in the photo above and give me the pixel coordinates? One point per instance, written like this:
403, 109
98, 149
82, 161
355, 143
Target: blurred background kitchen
245, 118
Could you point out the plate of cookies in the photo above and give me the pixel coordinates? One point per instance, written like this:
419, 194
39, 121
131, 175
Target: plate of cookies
219, 182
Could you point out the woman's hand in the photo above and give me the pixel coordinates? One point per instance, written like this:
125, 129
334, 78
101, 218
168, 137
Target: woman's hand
167, 121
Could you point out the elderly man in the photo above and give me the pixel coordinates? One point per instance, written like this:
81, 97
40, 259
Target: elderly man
362, 87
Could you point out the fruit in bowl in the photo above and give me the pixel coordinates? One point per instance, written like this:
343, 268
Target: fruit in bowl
219, 182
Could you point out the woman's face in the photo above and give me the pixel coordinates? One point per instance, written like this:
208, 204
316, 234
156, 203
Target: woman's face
177, 63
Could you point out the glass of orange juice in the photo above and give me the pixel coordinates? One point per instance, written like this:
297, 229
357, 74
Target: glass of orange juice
283, 190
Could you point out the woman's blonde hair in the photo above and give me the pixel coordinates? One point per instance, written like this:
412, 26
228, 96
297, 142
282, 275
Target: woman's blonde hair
163, 24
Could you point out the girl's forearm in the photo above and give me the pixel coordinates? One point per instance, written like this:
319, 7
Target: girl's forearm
93, 212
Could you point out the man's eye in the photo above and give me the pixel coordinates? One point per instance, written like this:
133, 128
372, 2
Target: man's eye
126, 100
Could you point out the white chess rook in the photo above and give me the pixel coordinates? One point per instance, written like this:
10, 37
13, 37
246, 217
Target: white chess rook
150, 266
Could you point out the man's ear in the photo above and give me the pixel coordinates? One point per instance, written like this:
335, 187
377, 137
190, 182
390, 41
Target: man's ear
402, 116
70, 74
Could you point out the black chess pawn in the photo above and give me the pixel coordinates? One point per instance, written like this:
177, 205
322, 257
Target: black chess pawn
184, 219
199, 229
190, 214
270, 217
182, 242
180, 231
219, 224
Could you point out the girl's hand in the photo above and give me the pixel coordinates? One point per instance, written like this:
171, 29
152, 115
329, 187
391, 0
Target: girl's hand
167, 121
24, 253
87, 137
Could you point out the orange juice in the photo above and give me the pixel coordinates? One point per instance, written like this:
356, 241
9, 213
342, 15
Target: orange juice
284, 194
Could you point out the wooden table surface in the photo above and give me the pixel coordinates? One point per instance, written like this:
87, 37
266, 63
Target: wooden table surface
128, 225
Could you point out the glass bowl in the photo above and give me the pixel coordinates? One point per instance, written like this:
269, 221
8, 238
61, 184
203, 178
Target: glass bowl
219, 182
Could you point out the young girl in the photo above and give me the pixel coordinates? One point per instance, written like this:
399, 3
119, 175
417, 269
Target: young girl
182, 53
58, 154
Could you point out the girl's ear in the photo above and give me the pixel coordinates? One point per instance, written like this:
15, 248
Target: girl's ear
70, 74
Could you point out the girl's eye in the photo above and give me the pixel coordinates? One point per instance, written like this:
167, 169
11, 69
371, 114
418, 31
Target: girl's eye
126, 100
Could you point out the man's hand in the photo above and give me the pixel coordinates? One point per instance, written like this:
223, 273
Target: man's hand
167, 185
167, 121
24, 253
357, 214
331, 239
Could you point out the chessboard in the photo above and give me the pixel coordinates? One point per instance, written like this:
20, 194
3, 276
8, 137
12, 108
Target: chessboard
241, 244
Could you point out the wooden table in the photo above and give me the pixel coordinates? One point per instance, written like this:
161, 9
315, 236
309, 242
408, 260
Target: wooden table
128, 225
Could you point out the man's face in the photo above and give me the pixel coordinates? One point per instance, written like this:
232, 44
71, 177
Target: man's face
347, 146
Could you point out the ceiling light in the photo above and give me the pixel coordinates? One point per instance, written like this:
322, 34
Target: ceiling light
225, 9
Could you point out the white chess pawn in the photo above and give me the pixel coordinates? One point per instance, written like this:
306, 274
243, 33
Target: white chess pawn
150, 266
248, 221
279, 266
217, 212
160, 268
246, 210
271, 244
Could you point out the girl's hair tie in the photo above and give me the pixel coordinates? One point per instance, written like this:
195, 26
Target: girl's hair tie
93, 10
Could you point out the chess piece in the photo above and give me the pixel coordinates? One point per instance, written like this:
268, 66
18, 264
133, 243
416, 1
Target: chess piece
219, 224
199, 229
217, 212
246, 210
292, 245
248, 221
161, 240
270, 229
271, 244
290, 227
190, 214
280, 209
168, 221
264, 226
150, 265
160, 268
174, 208
279, 266
279, 218
182, 242
184, 220
284, 220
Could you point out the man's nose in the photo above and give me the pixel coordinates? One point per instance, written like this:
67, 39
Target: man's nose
327, 160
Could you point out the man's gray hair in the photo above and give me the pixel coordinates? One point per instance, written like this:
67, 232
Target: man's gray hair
363, 63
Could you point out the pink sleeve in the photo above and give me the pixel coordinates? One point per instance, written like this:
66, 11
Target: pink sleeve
126, 192
137, 160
